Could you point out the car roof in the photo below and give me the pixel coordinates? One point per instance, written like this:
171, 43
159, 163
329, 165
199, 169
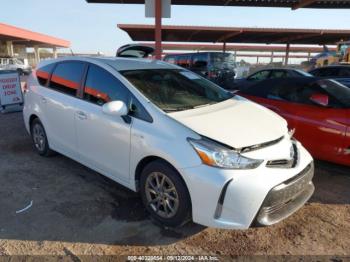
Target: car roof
276, 68
194, 53
117, 63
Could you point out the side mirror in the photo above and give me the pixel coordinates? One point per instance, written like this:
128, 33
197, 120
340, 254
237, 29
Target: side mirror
320, 99
115, 108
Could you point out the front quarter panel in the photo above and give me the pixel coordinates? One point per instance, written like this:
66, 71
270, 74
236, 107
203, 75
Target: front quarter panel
164, 138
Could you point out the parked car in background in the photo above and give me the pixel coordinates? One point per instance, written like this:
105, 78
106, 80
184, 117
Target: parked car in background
135, 51
10, 63
341, 73
269, 73
318, 110
192, 149
215, 66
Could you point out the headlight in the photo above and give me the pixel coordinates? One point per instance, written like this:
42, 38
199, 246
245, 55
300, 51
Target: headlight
214, 154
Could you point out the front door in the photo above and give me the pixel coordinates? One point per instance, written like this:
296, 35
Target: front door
321, 129
103, 140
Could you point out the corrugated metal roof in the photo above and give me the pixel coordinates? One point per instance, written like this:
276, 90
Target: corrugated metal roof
294, 4
248, 48
174, 33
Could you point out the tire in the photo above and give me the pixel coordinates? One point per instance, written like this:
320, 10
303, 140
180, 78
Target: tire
20, 71
173, 207
39, 138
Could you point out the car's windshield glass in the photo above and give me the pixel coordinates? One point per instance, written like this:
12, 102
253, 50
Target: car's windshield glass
337, 90
218, 59
176, 89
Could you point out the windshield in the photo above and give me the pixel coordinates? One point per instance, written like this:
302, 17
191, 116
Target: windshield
176, 89
222, 59
337, 90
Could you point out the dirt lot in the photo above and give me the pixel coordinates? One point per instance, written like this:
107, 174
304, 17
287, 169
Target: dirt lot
77, 211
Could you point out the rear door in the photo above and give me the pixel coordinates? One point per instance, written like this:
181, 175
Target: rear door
103, 140
60, 99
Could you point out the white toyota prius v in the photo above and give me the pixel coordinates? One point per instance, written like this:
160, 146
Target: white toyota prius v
193, 150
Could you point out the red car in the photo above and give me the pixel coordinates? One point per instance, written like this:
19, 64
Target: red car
318, 110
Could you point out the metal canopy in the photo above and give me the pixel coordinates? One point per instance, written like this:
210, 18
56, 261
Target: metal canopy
29, 38
236, 34
294, 4
247, 48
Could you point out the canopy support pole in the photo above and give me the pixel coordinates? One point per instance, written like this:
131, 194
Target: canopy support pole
158, 29
37, 54
271, 60
54, 52
287, 54
9, 47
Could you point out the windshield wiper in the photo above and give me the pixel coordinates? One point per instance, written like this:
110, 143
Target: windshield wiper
199, 106
177, 109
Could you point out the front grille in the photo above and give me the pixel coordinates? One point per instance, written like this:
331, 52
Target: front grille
288, 189
286, 163
286, 198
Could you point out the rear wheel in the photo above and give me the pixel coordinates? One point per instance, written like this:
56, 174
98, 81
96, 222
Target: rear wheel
39, 138
165, 195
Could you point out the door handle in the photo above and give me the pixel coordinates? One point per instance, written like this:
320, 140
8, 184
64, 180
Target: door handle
43, 100
81, 115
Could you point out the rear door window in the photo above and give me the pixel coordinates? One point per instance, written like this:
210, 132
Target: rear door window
102, 87
67, 76
278, 74
43, 73
261, 75
344, 72
200, 60
324, 72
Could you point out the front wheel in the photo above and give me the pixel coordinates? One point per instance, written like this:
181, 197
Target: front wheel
165, 195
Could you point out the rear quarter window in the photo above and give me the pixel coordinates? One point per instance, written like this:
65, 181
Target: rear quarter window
66, 77
43, 73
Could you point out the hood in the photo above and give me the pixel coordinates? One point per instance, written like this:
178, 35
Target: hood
236, 122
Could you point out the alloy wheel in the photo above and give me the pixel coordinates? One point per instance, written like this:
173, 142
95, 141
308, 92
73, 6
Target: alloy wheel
161, 195
39, 137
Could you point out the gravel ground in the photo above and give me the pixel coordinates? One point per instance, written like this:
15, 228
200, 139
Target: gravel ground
78, 212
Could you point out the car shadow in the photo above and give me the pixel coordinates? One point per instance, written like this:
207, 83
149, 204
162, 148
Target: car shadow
80, 205
332, 184
65, 201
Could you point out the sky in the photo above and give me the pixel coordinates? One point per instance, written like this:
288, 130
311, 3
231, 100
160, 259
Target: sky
92, 28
